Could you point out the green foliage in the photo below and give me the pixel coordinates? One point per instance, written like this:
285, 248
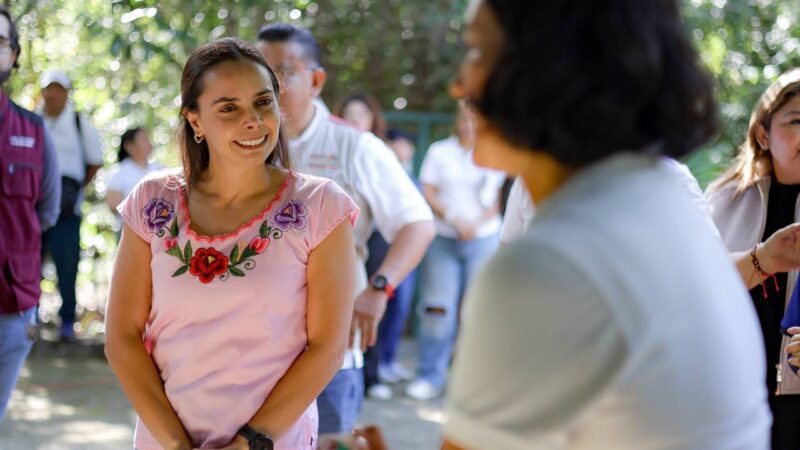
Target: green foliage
746, 44
125, 57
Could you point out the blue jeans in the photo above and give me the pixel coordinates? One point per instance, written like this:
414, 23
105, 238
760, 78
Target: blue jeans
340, 402
14, 347
444, 274
393, 323
391, 327
63, 241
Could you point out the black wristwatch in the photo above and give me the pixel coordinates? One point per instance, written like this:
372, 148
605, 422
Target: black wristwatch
256, 440
381, 283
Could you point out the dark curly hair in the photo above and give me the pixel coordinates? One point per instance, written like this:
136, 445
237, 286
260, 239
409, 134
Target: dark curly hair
584, 79
195, 156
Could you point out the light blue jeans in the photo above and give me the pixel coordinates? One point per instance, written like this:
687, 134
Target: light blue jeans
339, 404
14, 348
444, 274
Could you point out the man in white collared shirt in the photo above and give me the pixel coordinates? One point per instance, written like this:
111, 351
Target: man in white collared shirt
370, 173
80, 154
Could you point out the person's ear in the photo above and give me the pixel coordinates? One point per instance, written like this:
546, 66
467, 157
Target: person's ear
194, 121
318, 77
762, 136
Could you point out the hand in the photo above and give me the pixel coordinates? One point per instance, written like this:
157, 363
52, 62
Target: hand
367, 313
781, 251
794, 347
466, 230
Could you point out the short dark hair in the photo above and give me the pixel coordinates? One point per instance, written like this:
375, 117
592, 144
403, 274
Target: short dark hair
12, 32
284, 32
584, 79
128, 136
395, 134
195, 155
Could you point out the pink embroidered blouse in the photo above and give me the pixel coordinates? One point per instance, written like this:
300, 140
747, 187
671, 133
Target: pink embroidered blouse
228, 315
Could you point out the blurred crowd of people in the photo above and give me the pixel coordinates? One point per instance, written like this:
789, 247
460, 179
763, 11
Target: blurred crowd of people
261, 291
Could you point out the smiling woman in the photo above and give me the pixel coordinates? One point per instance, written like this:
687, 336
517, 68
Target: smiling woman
237, 326
757, 197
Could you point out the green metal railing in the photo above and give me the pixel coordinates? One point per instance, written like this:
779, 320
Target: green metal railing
428, 126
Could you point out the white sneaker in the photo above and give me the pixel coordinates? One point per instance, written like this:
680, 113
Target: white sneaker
401, 372
379, 392
422, 390
394, 373
387, 375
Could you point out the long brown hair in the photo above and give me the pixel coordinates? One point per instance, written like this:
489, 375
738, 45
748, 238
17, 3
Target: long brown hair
195, 156
753, 160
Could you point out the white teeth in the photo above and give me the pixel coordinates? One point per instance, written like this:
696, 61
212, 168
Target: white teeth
252, 143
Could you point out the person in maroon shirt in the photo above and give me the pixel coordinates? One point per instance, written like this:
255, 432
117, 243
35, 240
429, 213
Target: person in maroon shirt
30, 194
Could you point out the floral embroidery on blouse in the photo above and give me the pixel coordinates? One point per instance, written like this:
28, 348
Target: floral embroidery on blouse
208, 263
291, 215
157, 213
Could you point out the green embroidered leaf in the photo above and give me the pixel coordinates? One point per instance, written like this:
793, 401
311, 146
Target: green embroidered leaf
180, 271
187, 252
264, 230
246, 253
234, 254
235, 272
176, 252
173, 229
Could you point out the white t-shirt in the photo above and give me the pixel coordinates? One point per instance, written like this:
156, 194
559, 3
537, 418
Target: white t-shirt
370, 174
520, 210
124, 176
465, 190
73, 152
617, 322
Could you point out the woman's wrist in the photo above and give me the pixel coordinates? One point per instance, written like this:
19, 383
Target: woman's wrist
761, 260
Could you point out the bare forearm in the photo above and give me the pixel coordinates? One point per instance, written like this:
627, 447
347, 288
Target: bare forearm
407, 250
436, 206
747, 271
491, 211
113, 199
301, 384
143, 386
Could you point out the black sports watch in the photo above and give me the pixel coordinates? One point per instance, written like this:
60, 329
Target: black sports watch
381, 283
256, 440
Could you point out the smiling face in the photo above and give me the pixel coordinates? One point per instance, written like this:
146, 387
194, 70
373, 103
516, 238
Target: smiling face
237, 113
783, 141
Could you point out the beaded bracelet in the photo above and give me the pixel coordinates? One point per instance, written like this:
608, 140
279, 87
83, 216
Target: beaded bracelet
761, 274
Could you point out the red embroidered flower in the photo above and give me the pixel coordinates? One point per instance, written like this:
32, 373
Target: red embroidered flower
259, 244
208, 263
170, 243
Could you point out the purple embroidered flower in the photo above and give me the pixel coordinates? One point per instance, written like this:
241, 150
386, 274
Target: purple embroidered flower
158, 213
290, 215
